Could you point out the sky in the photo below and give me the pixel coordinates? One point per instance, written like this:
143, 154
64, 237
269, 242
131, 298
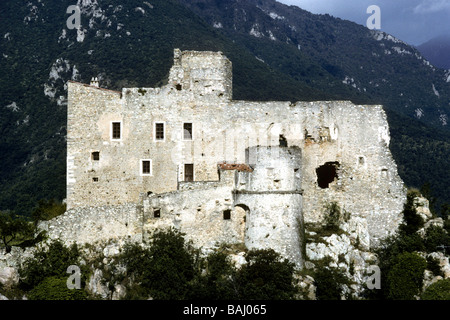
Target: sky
413, 21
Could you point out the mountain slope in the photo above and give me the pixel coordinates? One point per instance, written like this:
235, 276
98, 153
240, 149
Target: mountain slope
131, 44
437, 51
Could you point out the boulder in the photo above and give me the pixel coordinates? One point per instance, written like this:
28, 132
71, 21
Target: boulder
9, 276
423, 208
96, 287
119, 292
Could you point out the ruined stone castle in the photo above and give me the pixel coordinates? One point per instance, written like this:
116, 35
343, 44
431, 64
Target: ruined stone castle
188, 156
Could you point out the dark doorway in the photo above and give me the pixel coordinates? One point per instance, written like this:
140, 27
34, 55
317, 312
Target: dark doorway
283, 141
188, 172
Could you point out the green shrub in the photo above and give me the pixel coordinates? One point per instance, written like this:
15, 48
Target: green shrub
439, 290
411, 220
218, 280
447, 224
406, 276
329, 283
50, 262
14, 230
163, 271
435, 237
55, 288
266, 276
434, 266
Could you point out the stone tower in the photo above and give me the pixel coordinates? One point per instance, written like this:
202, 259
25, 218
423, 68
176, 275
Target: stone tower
206, 74
272, 197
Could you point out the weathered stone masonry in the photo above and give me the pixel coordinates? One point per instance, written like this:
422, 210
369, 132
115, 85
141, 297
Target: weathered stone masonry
178, 153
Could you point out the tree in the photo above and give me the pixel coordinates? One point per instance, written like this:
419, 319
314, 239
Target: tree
406, 276
412, 222
329, 281
165, 270
425, 190
217, 282
436, 237
14, 229
52, 261
266, 276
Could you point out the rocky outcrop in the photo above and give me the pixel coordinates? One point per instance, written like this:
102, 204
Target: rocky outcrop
10, 263
348, 250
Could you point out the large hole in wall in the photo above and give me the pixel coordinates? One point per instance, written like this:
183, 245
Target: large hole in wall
327, 173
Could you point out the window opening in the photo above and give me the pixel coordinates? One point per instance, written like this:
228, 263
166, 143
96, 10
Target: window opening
283, 141
187, 131
188, 172
159, 131
96, 156
116, 130
146, 167
227, 214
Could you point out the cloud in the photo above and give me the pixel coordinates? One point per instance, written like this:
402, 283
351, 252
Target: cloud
413, 21
432, 6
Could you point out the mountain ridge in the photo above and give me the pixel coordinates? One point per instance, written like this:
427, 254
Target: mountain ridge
437, 51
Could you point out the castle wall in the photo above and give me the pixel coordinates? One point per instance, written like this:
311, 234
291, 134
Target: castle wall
93, 224
198, 211
367, 183
91, 111
353, 138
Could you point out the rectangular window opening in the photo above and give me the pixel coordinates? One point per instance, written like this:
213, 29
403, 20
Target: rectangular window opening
159, 131
227, 214
95, 179
157, 213
146, 167
116, 134
187, 131
95, 156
